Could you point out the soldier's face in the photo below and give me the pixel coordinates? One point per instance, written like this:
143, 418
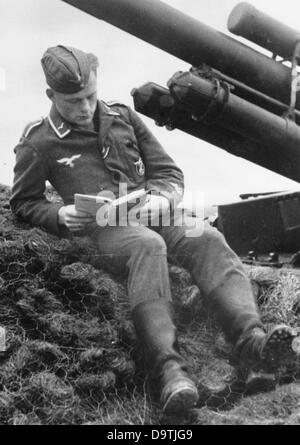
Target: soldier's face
78, 108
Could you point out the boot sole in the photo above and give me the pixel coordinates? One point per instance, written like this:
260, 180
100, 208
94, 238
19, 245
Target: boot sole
278, 344
182, 399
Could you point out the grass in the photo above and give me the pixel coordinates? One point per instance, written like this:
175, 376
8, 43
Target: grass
72, 355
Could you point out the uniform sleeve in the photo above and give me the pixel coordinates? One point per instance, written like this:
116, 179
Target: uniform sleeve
164, 177
28, 200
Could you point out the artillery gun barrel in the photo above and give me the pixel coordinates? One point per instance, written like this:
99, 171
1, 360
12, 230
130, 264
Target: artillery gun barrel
211, 101
156, 102
194, 42
248, 93
260, 28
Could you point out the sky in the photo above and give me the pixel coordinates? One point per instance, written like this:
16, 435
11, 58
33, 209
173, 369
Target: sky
29, 27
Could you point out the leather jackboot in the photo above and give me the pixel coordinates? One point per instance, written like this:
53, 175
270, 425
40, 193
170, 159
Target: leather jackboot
257, 349
157, 334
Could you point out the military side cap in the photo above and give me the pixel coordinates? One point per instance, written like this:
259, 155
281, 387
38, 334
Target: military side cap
67, 69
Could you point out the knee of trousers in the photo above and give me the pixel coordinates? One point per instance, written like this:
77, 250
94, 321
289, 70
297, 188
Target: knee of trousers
150, 244
212, 235
208, 236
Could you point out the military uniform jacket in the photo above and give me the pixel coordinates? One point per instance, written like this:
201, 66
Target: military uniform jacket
83, 161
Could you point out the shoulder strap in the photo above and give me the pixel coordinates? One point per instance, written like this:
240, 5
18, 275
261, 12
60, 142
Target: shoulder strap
30, 127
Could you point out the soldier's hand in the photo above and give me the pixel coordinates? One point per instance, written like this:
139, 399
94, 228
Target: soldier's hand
73, 219
153, 208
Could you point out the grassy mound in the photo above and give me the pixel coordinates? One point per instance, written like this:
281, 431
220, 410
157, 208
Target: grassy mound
71, 353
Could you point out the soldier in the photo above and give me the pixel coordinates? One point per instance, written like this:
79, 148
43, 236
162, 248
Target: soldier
88, 146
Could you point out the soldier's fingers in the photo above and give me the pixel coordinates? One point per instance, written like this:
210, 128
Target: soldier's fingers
75, 228
84, 220
72, 213
80, 214
76, 220
72, 225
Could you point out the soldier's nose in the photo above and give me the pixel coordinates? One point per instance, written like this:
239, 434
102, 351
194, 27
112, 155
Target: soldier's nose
85, 107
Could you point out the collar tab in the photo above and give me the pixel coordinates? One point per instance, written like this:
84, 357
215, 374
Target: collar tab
109, 110
58, 124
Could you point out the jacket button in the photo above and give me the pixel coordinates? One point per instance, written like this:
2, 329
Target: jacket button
117, 177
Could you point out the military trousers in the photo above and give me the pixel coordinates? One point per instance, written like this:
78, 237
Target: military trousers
142, 253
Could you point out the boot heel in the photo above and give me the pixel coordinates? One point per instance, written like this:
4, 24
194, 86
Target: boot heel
179, 397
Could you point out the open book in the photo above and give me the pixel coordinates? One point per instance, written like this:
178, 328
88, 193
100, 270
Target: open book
92, 203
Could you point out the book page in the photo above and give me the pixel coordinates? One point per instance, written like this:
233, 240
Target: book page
90, 203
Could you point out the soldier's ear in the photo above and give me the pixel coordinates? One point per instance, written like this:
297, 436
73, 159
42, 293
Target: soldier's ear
50, 93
